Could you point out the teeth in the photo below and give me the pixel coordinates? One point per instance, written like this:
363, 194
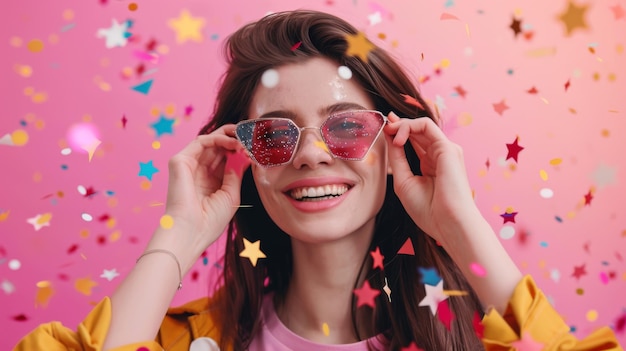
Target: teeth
318, 191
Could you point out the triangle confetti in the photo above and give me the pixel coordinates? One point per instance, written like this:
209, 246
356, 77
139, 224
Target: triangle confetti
144, 87
407, 248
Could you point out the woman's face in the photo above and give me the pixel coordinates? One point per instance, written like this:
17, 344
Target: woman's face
318, 198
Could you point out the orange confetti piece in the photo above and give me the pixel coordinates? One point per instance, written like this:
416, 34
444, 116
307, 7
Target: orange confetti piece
44, 293
448, 16
84, 285
412, 101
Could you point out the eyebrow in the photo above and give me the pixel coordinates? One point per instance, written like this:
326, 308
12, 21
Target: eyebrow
323, 111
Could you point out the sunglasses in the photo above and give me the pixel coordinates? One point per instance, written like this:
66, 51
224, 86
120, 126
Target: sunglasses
348, 135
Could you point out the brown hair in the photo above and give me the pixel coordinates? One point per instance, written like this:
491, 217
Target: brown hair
268, 43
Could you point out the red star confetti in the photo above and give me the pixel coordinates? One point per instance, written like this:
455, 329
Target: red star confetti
407, 248
516, 26
252, 251
508, 217
532, 90
579, 271
500, 107
358, 46
513, 150
527, 343
412, 101
378, 258
366, 295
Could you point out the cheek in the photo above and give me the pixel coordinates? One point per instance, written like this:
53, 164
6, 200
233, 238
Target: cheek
260, 177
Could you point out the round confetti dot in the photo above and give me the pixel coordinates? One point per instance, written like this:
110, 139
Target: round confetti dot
344, 72
546, 193
84, 233
167, 222
145, 184
156, 144
68, 15
81, 190
478, 270
204, 344
604, 278
580, 291
40, 124
115, 236
86, 217
35, 45
132, 6
270, 78
66, 151
543, 244
445, 63
19, 137
24, 70
592, 315
39, 97
507, 232
15, 265
605, 133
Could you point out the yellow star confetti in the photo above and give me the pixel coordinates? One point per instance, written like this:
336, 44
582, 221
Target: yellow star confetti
187, 27
44, 293
252, 251
84, 285
358, 45
574, 17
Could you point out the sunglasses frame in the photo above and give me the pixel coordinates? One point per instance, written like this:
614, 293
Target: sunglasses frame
300, 129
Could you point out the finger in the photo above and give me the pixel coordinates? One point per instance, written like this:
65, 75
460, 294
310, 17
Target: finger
423, 129
397, 160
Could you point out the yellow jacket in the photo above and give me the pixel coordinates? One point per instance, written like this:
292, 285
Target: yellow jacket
529, 315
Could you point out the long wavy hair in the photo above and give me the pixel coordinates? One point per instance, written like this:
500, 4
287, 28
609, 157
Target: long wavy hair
292, 37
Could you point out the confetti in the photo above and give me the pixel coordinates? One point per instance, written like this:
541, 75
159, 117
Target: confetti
592, 315
147, 170
507, 232
325, 329
513, 150
366, 295
15, 264
270, 78
187, 27
500, 107
166, 222
84, 285
252, 251
344, 72
44, 293
574, 17
407, 248
358, 46
434, 295
377, 259
478, 270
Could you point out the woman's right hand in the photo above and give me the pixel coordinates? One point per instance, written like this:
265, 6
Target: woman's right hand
203, 191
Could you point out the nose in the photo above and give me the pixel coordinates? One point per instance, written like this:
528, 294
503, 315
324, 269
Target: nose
312, 151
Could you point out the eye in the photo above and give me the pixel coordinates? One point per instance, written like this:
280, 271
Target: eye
346, 127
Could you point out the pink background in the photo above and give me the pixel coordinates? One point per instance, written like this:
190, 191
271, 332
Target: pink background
55, 273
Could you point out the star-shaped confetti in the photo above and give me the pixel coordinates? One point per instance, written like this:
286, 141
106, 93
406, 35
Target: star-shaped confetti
187, 27
147, 170
508, 217
163, 126
429, 276
84, 285
500, 107
513, 150
574, 17
516, 26
358, 46
527, 343
40, 221
366, 295
109, 274
579, 271
434, 295
252, 251
115, 36
618, 12
378, 258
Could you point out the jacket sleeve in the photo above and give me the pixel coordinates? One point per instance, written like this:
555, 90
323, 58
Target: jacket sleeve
89, 336
531, 320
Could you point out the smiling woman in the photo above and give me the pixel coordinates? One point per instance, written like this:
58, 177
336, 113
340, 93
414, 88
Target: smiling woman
350, 224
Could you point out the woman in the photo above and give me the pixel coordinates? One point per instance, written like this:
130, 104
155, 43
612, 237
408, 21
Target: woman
362, 218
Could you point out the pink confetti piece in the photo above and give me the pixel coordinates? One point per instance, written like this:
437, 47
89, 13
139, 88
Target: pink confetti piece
604, 278
478, 270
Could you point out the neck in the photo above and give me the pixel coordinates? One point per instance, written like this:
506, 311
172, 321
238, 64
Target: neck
321, 288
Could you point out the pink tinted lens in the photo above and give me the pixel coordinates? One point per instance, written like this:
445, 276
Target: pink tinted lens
273, 141
350, 135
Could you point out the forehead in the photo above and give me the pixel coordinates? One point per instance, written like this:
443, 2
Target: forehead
307, 87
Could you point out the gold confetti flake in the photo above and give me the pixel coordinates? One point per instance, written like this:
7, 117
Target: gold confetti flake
325, 329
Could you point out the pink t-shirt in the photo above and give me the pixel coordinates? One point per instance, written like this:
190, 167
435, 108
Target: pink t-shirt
275, 336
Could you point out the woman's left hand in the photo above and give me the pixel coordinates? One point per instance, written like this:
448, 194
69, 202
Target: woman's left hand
439, 201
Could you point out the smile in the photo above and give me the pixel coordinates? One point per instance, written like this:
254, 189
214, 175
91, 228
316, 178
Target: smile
318, 193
